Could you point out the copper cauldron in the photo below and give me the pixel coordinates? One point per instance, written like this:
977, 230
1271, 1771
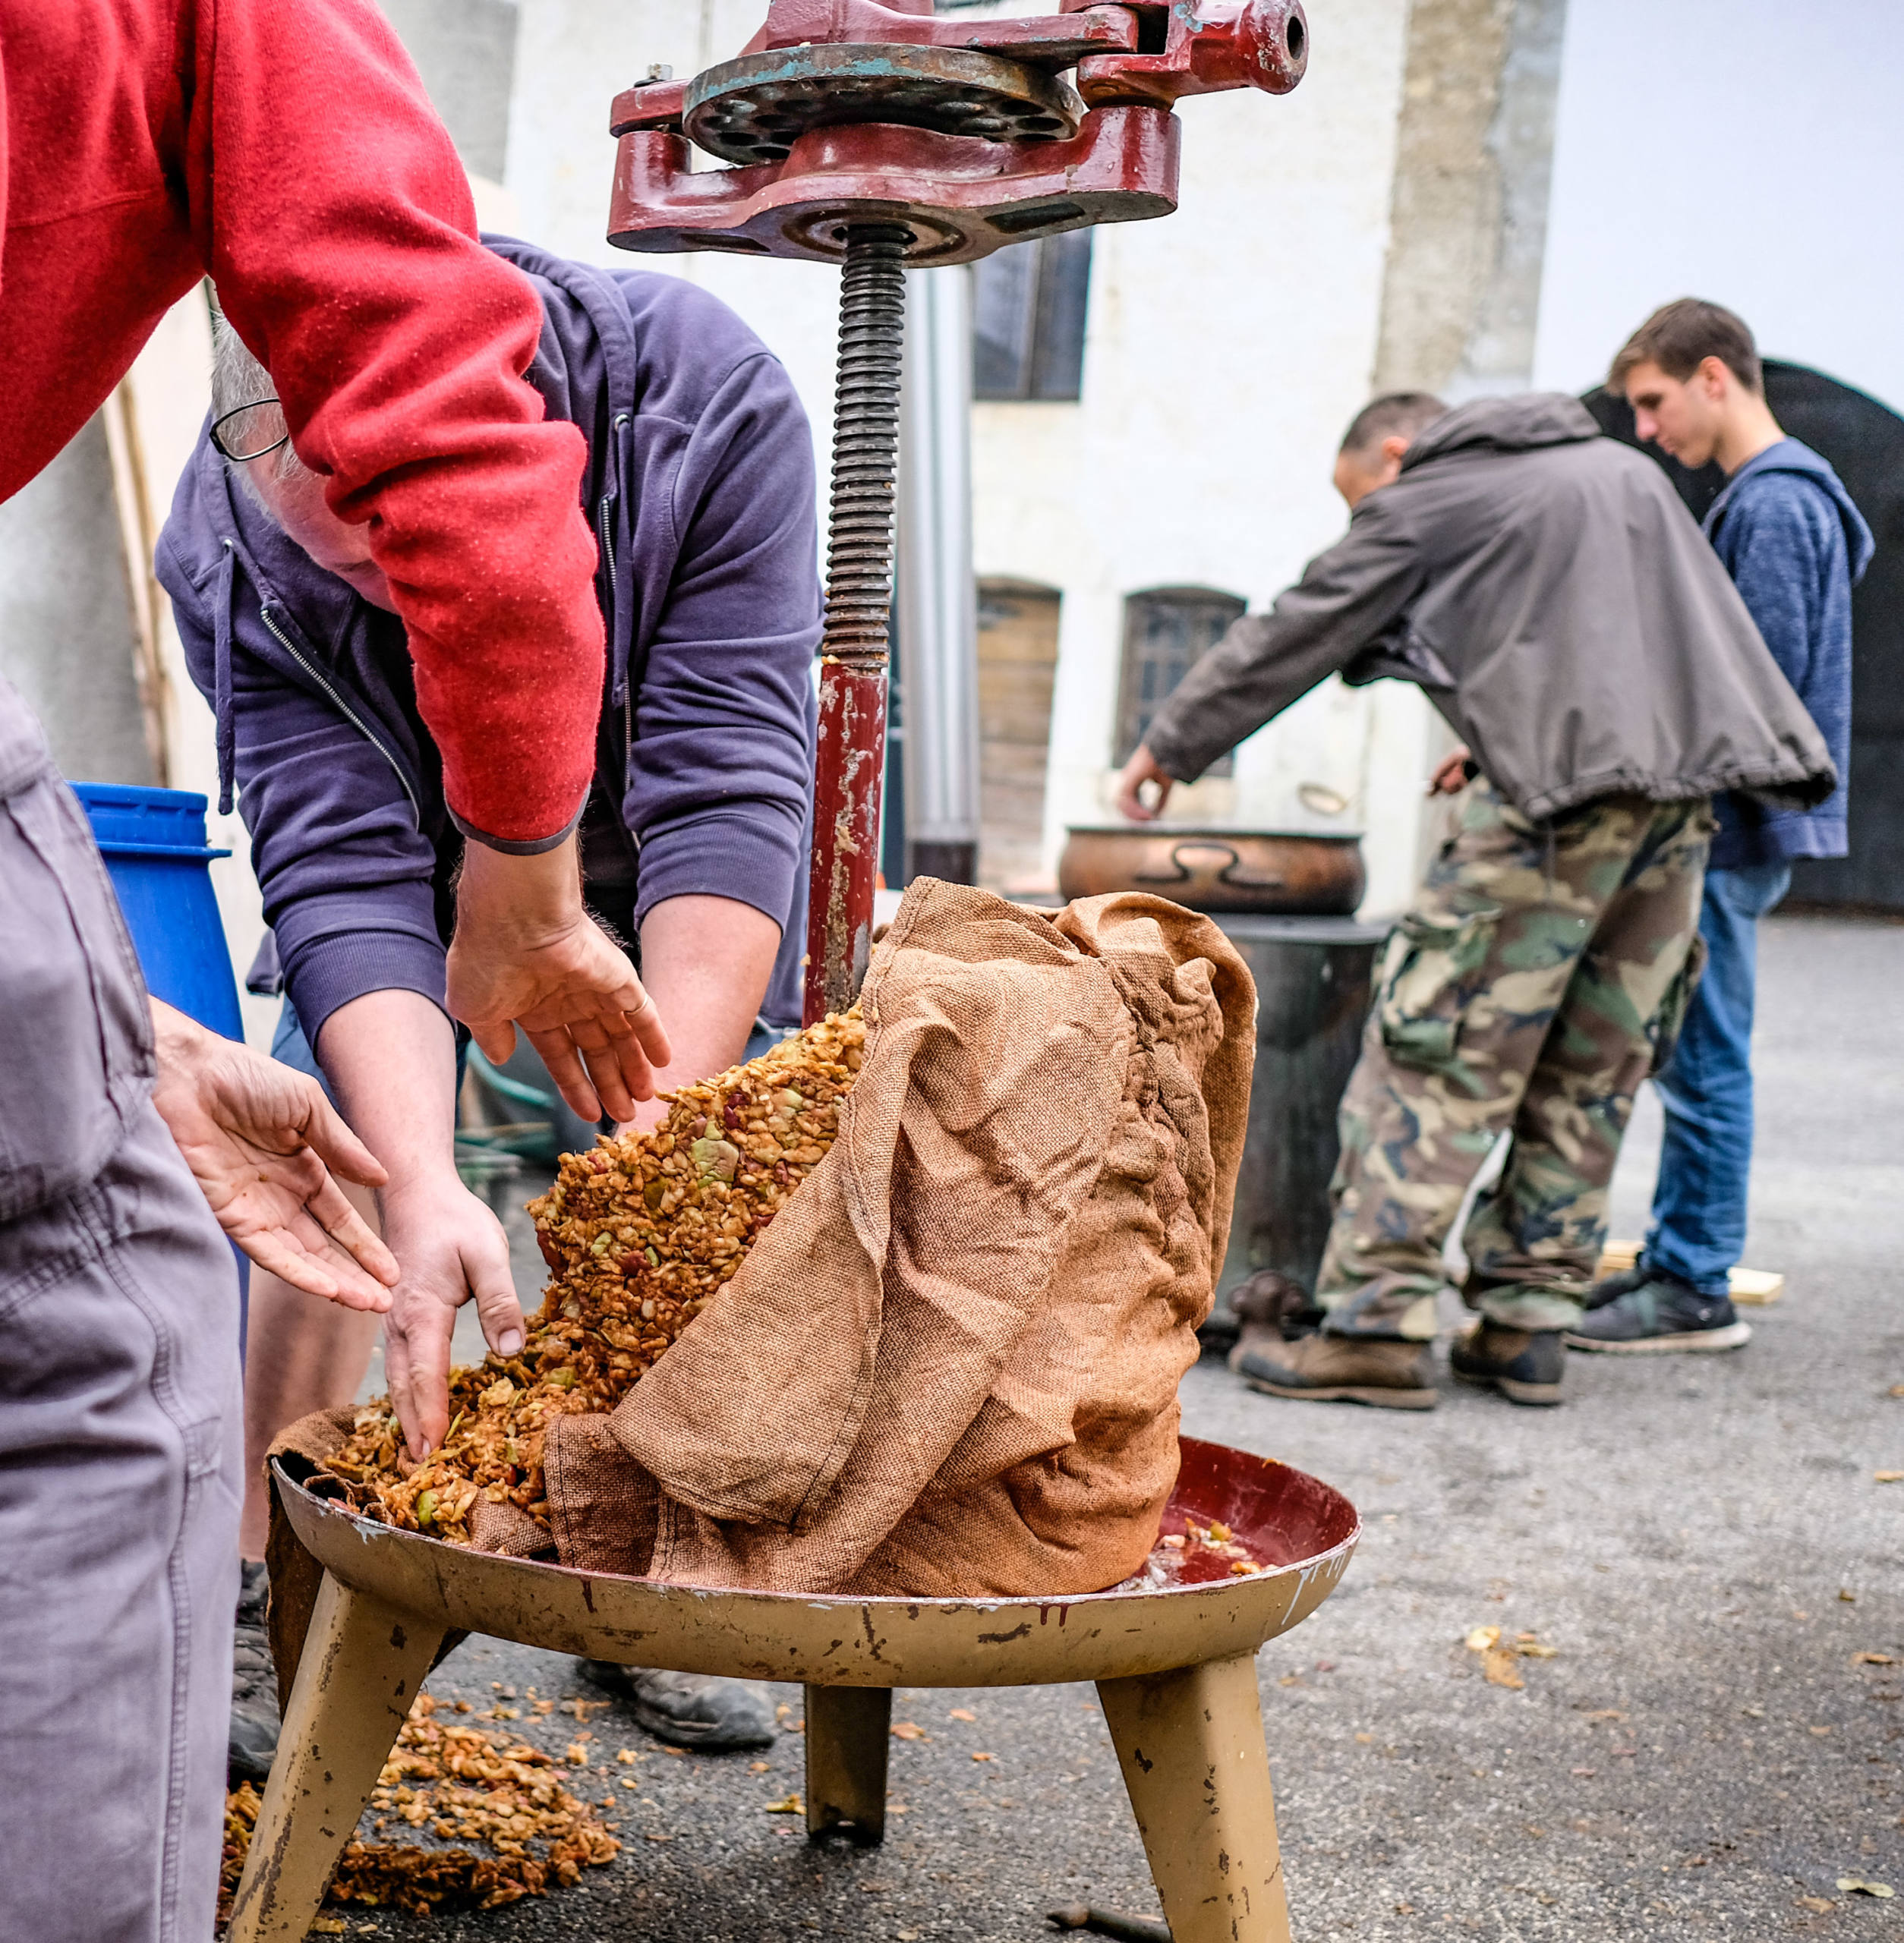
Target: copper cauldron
1261, 871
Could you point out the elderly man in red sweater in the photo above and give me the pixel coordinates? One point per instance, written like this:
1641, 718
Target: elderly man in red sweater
288, 151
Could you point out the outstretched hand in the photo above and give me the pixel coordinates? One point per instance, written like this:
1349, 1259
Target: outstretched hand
1451, 774
527, 954
262, 1141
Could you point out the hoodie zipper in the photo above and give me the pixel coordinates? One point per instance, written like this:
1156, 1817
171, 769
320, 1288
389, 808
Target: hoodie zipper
603, 508
343, 707
607, 540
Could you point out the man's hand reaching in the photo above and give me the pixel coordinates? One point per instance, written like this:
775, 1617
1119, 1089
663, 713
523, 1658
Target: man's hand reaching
526, 953
1452, 773
1142, 768
261, 1141
453, 1249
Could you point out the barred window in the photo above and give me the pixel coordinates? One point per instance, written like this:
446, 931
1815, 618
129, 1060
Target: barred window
1028, 311
1166, 631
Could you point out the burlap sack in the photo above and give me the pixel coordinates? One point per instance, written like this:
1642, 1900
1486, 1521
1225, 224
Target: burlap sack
950, 1366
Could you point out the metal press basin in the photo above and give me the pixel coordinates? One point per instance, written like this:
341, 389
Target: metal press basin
1302, 1530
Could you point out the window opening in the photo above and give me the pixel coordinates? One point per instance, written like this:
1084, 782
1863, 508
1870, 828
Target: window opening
1166, 631
1028, 306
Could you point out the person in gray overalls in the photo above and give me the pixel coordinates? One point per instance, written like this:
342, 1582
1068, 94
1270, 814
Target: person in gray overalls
119, 1478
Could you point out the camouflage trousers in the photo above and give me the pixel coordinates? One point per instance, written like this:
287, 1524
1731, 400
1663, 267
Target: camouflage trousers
1542, 975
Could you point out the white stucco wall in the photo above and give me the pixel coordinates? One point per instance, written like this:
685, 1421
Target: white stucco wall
1228, 345
1747, 151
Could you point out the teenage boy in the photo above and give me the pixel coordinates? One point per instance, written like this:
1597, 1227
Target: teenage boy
1546, 588
1794, 546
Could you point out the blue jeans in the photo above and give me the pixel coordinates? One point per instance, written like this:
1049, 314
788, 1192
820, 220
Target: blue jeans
1698, 1230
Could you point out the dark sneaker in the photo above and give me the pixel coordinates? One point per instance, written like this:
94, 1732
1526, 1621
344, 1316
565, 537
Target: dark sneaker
688, 1709
1661, 1316
253, 1736
1381, 1370
1614, 1286
1524, 1365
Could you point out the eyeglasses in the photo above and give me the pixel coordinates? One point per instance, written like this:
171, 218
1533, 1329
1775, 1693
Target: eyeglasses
252, 431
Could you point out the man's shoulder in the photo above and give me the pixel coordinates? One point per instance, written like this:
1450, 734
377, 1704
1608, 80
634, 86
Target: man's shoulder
1525, 485
689, 329
1794, 487
1558, 458
1796, 504
672, 304
676, 344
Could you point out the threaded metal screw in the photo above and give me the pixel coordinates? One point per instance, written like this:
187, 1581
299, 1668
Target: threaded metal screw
865, 443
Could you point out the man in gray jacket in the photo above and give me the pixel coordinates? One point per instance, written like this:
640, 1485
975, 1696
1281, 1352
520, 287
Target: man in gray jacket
1547, 589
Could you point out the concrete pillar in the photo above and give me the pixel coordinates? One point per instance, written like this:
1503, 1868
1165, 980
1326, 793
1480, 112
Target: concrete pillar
1460, 294
1468, 218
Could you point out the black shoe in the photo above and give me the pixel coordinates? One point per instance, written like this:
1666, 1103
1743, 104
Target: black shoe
1614, 1286
253, 1740
1524, 1365
688, 1709
1660, 1315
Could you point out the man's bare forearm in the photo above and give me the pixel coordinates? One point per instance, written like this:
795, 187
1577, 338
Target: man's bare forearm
526, 900
391, 1059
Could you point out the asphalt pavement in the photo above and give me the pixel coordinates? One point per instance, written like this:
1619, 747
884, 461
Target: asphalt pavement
1701, 1541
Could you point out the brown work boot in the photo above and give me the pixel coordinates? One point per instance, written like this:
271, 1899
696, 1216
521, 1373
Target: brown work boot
1380, 1370
1524, 1365
1273, 1310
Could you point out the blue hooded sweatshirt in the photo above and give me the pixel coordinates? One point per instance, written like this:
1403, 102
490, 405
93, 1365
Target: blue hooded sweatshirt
700, 488
1796, 545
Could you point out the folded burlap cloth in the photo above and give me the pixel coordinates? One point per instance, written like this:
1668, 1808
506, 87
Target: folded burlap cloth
950, 1367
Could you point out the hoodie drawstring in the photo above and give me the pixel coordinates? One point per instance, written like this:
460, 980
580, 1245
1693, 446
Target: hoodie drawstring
222, 680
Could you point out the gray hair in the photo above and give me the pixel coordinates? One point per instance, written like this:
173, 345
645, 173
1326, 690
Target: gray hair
239, 380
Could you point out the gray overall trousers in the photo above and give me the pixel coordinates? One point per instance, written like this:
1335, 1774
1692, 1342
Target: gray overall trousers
121, 1439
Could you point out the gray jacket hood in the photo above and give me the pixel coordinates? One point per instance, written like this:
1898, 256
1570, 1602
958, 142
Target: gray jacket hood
1504, 425
1547, 588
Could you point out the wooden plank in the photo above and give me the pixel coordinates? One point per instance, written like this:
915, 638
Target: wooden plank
1756, 1287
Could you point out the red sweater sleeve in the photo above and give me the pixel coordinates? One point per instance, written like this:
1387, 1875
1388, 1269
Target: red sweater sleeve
331, 209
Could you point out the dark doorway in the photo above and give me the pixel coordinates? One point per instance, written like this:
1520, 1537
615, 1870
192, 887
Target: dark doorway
1865, 443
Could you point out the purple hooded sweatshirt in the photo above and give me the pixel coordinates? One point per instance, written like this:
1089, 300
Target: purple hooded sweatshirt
700, 487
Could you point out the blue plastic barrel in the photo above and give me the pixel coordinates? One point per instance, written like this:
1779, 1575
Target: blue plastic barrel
153, 842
